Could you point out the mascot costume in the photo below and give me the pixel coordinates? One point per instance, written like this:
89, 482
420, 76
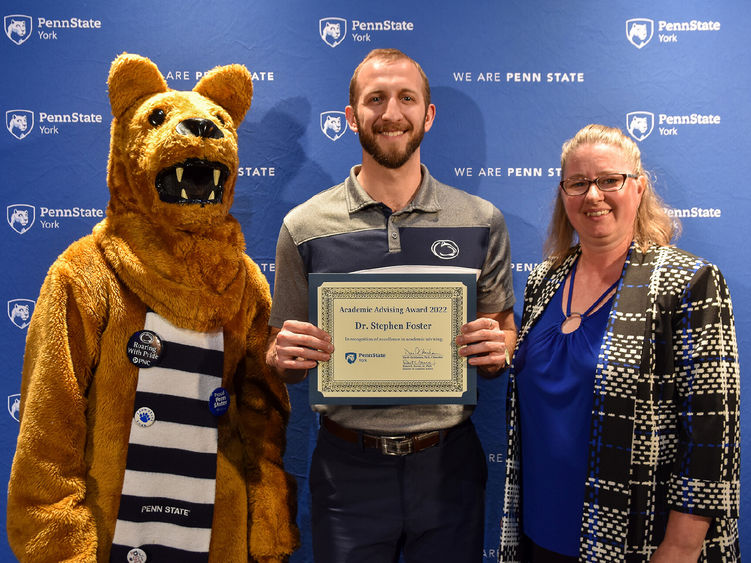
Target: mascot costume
151, 428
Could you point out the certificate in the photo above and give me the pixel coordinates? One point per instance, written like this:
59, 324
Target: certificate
394, 338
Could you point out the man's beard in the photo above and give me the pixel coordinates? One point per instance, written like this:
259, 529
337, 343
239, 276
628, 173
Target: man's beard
390, 159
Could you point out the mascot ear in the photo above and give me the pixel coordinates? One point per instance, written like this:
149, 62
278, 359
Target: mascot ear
229, 86
131, 78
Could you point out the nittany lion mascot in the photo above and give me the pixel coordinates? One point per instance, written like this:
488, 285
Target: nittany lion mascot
151, 428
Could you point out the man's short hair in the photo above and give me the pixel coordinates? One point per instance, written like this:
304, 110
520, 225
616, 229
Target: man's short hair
389, 56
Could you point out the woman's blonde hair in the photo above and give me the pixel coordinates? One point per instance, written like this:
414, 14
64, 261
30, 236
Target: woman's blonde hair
652, 224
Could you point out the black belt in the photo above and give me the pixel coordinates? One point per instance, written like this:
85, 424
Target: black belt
388, 445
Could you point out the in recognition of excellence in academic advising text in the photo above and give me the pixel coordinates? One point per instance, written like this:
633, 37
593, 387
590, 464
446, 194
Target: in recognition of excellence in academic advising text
394, 338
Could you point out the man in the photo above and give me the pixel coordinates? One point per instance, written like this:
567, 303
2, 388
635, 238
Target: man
368, 505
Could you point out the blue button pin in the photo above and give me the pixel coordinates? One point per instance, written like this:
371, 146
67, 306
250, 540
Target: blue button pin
219, 401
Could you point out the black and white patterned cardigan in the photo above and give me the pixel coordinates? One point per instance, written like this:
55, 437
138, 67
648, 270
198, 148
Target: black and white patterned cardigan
665, 429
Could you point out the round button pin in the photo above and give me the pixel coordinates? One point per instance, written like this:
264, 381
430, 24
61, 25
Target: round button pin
145, 417
137, 555
219, 401
145, 348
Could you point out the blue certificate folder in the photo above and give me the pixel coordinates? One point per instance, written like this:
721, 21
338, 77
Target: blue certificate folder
392, 305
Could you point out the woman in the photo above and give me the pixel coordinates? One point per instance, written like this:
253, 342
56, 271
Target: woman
622, 408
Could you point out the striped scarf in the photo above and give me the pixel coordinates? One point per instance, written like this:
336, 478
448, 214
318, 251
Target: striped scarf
167, 502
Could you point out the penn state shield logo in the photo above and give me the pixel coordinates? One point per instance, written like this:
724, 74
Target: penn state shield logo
18, 27
332, 30
351, 357
333, 124
19, 122
640, 124
639, 31
21, 217
14, 406
20, 311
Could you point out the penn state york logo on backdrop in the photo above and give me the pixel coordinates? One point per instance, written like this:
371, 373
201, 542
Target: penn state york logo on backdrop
639, 31
333, 124
21, 217
20, 311
19, 122
332, 30
18, 27
14, 406
640, 124
445, 249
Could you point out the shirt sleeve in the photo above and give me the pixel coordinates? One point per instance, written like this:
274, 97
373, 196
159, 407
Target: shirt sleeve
705, 476
495, 290
290, 282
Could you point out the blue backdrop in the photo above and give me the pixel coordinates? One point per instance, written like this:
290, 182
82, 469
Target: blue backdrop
511, 80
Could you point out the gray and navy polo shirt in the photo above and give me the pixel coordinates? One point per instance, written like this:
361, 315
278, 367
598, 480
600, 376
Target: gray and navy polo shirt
343, 230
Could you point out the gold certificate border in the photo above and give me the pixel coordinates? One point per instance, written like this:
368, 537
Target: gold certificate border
331, 294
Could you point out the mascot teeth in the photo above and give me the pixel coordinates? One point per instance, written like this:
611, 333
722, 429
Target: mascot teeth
192, 181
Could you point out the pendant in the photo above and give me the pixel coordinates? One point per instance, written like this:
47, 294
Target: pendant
571, 323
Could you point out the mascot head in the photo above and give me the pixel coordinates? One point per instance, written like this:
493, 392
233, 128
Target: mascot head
173, 155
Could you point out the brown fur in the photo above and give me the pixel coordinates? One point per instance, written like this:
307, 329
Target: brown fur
187, 263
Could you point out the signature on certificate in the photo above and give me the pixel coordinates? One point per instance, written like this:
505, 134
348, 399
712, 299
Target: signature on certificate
420, 352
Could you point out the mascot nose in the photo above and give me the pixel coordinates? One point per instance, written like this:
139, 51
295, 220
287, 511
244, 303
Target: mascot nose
199, 128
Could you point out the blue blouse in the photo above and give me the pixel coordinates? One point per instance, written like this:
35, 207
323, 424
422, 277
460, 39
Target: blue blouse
555, 378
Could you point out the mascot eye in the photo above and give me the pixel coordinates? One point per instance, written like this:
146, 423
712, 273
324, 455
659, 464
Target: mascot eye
157, 117
219, 117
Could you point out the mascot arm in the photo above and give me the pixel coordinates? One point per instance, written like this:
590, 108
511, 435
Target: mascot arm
264, 412
47, 519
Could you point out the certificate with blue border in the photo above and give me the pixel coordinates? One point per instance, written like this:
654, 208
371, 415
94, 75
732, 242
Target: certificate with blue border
394, 338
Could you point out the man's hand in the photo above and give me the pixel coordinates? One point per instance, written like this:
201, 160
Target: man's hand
488, 341
295, 348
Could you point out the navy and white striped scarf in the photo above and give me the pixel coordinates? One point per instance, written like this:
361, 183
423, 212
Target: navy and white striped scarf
167, 502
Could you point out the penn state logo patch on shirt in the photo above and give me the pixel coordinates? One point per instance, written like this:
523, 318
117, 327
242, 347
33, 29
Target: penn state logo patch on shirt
445, 249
